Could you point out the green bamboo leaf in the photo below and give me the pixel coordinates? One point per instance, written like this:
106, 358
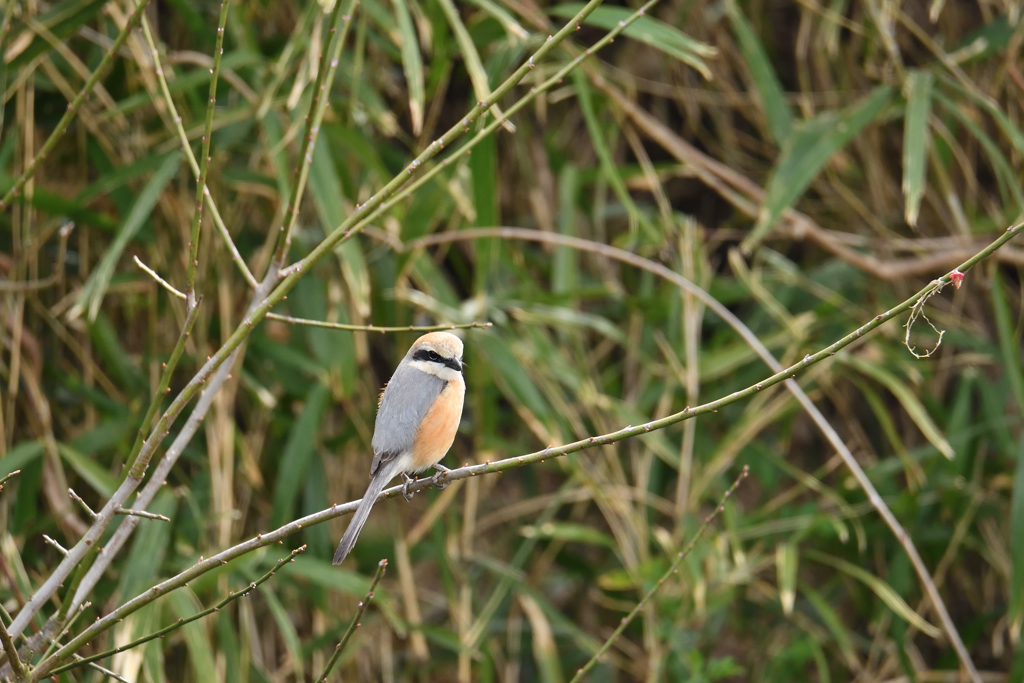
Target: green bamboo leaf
916, 135
545, 651
608, 166
1009, 347
20, 456
327, 197
94, 289
880, 588
787, 560
412, 64
763, 76
1015, 614
298, 452
911, 403
184, 603
91, 471
647, 30
508, 22
570, 533
474, 65
808, 148
832, 622
287, 630
1005, 175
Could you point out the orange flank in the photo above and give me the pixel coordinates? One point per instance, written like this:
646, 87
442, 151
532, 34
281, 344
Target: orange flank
437, 430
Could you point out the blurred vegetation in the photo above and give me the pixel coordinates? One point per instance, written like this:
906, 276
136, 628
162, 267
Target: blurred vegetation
810, 164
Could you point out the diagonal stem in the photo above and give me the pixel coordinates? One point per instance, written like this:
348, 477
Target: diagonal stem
321, 90
381, 568
204, 161
672, 568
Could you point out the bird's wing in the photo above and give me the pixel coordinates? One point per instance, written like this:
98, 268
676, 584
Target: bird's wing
405, 401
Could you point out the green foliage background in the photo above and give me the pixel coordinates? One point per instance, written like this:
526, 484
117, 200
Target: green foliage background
894, 129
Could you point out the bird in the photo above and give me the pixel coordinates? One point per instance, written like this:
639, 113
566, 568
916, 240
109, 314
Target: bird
417, 417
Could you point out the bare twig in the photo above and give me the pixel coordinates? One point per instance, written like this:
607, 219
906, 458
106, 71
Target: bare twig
204, 161
374, 328
672, 569
72, 110
232, 596
85, 506
8, 476
143, 514
159, 280
12, 653
340, 647
61, 549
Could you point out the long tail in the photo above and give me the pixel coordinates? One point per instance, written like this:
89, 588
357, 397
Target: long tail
348, 541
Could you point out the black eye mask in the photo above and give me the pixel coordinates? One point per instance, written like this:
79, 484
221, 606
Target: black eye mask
433, 357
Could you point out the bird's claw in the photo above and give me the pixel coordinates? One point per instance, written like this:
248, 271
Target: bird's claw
406, 493
438, 479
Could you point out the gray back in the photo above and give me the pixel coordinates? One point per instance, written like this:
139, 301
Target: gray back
406, 399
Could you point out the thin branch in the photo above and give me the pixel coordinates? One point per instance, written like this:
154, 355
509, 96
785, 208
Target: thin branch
204, 160
61, 549
159, 280
4, 479
141, 513
321, 90
58, 270
278, 535
72, 111
165, 381
12, 653
175, 123
231, 597
381, 568
672, 569
374, 328
85, 506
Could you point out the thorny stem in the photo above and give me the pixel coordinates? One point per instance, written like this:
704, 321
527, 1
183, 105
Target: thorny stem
165, 382
204, 161
381, 568
231, 596
12, 652
374, 328
72, 110
498, 466
318, 105
672, 569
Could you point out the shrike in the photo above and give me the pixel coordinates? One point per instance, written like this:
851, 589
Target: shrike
418, 416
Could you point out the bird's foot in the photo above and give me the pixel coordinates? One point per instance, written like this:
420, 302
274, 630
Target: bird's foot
406, 493
440, 477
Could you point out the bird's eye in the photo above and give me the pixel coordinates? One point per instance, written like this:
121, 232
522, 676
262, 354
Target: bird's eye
433, 356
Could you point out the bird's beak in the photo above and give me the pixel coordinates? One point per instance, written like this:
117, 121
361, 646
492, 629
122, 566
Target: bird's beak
462, 366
